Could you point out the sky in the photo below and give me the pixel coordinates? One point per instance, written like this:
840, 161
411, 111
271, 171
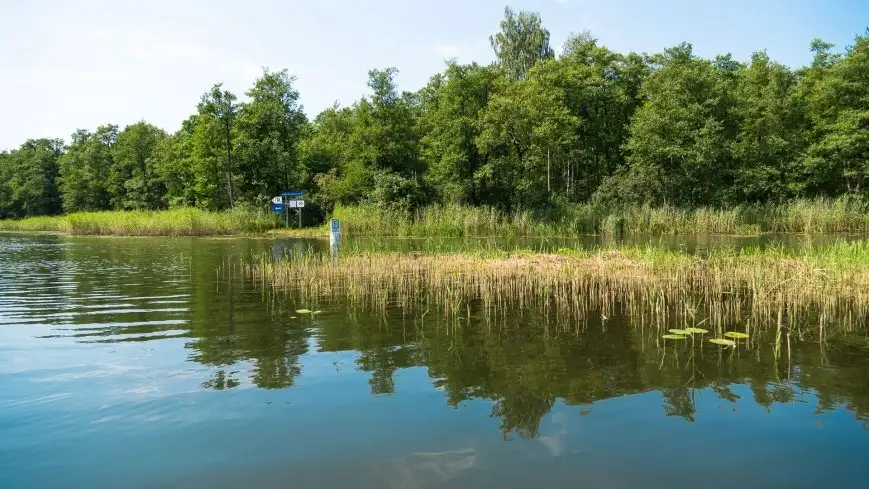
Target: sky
68, 64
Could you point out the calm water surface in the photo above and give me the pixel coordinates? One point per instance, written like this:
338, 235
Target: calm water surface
143, 363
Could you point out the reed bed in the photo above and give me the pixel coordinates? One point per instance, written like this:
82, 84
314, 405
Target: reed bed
174, 222
796, 290
843, 215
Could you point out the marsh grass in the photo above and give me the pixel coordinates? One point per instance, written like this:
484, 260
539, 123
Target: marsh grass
843, 215
802, 291
175, 222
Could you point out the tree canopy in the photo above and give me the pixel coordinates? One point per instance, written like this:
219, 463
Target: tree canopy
531, 131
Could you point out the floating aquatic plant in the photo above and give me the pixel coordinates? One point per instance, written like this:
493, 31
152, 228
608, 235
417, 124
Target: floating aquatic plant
673, 337
722, 341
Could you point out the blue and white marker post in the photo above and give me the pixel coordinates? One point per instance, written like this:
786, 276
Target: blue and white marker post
334, 235
278, 207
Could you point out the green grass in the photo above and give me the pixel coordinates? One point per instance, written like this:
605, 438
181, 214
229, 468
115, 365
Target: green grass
176, 222
816, 216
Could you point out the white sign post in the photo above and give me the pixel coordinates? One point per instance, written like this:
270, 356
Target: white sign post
334, 235
278, 200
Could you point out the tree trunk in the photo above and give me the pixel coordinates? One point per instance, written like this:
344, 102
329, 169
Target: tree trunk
548, 173
228, 163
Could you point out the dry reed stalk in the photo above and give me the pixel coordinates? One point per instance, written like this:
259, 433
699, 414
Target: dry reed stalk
722, 291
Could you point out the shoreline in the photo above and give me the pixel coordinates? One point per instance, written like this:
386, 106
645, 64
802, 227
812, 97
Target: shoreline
801, 217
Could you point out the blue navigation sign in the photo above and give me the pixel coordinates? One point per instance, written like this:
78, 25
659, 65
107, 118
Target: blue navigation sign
278, 208
287, 193
336, 225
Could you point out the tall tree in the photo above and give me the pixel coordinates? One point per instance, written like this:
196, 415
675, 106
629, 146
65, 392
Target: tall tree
218, 104
371, 151
678, 150
176, 168
452, 104
28, 179
85, 169
270, 127
521, 42
133, 182
837, 98
769, 142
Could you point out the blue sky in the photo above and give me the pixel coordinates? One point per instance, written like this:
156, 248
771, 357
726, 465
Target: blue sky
80, 63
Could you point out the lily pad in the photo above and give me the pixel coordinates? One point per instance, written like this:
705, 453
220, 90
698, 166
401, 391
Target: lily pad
735, 335
673, 337
696, 330
303, 311
678, 331
316, 312
722, 341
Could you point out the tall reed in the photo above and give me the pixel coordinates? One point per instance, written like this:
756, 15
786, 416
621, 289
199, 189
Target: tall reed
175, 222
843, 215
750, 288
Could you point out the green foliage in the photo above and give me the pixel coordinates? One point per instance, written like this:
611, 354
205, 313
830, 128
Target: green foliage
678, 150
270, 126
591, 141
521, 43
132, 178
450, 107
28, 179
837, 96
85, 169
368, 152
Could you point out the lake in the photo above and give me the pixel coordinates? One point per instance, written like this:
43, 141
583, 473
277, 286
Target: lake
152, 363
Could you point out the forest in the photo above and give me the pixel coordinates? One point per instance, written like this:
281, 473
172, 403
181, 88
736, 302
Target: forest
538, 130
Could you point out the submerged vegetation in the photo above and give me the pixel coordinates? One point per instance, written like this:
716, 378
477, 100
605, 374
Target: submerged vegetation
800, 291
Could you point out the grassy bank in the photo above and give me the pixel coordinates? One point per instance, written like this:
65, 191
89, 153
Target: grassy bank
802, 290
176, 222
801, 216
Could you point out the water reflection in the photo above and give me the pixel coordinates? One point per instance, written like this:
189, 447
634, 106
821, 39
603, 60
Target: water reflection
105, 330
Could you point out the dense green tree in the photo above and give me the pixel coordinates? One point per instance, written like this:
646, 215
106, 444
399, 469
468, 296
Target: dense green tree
132, 180
531, 131
174, 165
837, 99
770, 124
217, 111
28, 179
679, 148
525, 126
270, 127
452, 104
369, 152
85, 170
